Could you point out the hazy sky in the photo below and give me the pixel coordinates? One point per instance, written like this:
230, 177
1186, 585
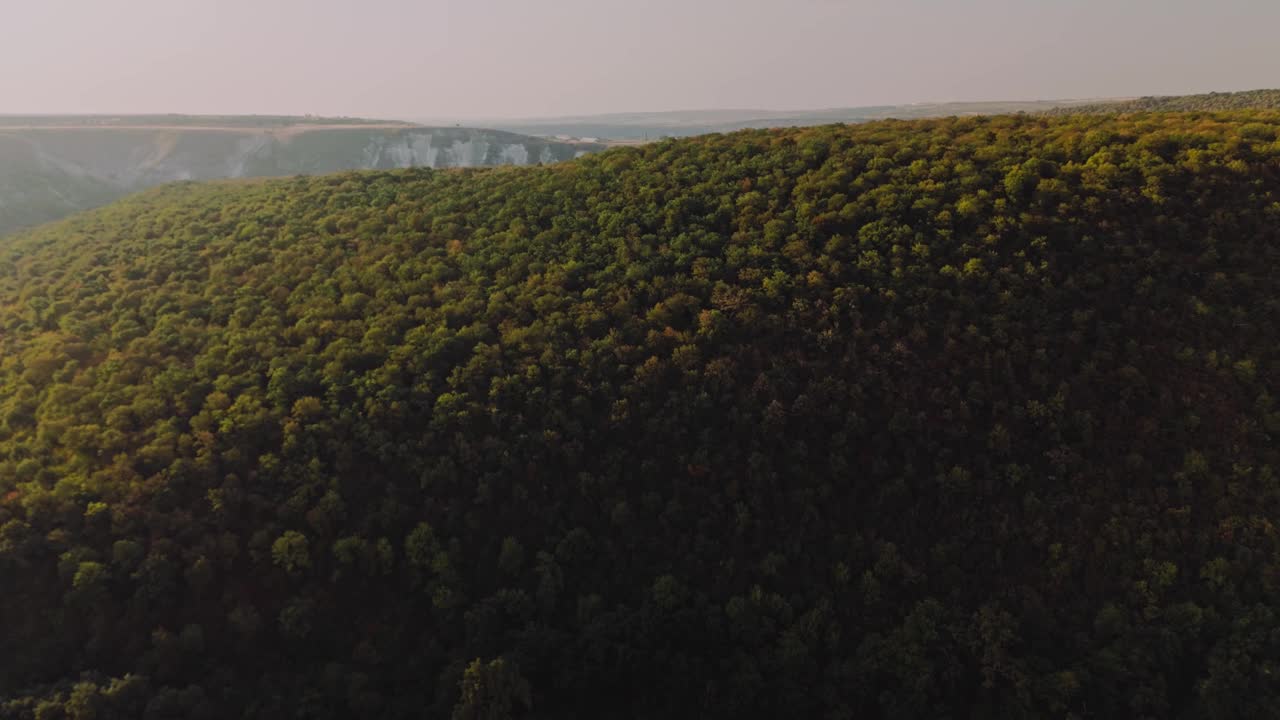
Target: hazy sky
504, 58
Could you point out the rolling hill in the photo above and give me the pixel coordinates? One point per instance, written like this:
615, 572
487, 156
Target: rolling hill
657, 125
972, 417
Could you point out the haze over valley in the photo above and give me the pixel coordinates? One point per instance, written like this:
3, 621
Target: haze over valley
655, 125
51, 167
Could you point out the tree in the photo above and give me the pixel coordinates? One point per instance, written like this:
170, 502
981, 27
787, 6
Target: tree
290, 551
492, 691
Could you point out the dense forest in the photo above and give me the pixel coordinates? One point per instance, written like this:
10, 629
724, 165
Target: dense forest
966, 418
1207, 102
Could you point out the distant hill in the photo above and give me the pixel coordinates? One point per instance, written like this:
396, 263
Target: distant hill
1246, 100
655, 125
178, 120
53, 166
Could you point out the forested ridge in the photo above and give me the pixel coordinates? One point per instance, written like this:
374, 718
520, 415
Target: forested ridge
1205, 102
966, 418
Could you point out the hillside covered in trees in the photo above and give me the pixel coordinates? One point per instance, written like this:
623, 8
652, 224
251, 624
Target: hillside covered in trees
969, 418
1206, 102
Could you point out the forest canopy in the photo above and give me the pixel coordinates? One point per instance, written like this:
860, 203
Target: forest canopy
949, 418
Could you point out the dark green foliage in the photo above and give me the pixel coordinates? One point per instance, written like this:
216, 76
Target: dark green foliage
956, 418
491, 691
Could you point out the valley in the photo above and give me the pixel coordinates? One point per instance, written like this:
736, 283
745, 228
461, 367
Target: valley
51, 167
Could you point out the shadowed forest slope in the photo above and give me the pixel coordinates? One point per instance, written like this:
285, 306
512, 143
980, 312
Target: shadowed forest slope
948, 418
